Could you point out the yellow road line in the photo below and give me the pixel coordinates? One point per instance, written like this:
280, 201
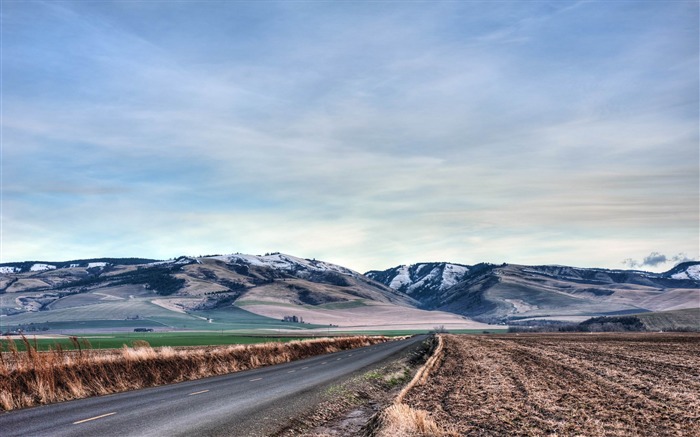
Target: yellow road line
198, 393
93, 418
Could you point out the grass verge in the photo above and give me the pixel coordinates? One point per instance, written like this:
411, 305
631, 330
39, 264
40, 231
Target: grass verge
399, 419
175, 339
31, 378
345, 408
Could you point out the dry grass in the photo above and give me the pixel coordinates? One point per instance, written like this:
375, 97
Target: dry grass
400, 420
566, 384
31, 378
422, 374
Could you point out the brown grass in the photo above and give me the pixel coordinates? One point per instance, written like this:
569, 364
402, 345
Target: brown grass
31, 378
422, 374
400, 420
566, 384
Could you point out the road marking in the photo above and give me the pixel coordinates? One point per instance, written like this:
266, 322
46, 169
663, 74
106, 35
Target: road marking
291, 371
93, 418
339, 359
198, 393
256, 379
324, 362
350, 355
304, 368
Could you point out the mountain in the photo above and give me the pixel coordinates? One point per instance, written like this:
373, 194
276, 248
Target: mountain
38, 266
502, 293
234, 291
687, 270
239, 291
423, 281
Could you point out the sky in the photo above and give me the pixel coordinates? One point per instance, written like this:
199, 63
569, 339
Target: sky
368, 134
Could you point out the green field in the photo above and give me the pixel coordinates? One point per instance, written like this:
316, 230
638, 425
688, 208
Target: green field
135, 313
399, 332
155, 339
158, 339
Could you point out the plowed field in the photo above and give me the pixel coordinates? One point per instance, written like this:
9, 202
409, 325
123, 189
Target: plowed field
566, 384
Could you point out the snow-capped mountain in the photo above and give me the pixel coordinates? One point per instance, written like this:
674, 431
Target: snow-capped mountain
43, 266
692, 272
299, 267
485, 292
498, 293
418, 280
688, 270
195, 282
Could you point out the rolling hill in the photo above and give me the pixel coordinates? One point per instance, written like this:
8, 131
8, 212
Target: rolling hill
237, 291
278, 291
502, 293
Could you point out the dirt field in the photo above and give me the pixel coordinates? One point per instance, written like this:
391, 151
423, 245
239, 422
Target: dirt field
576, 384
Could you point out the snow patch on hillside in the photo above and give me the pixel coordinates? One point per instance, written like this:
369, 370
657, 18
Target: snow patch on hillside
431, 279
692, 272
439, 277
99, 264
452, 275
7, 270
42, 267
402, 278
183, 260
281, 261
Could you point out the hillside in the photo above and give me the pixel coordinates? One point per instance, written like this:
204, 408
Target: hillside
240, 291
421, 281
214, 292
686, 319
502, 293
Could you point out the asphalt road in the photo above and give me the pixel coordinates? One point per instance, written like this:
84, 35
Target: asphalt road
250, 403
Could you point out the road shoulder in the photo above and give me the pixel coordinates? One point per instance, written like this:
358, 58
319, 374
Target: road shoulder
346, 407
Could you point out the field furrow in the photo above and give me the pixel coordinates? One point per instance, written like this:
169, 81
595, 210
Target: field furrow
607, 384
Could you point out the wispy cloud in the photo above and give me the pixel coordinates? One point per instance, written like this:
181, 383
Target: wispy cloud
368, 133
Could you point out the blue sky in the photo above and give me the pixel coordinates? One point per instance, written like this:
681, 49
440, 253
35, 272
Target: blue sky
369, 134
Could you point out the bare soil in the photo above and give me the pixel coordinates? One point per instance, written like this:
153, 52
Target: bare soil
566, 384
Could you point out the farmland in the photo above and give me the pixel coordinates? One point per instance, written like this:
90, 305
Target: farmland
155, 339
140, 312
589, 384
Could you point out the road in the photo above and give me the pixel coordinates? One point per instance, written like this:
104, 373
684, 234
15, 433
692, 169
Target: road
250, 403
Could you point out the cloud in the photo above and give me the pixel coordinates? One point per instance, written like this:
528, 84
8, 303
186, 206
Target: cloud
681, 258
513, 138
651, 260
656, 259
